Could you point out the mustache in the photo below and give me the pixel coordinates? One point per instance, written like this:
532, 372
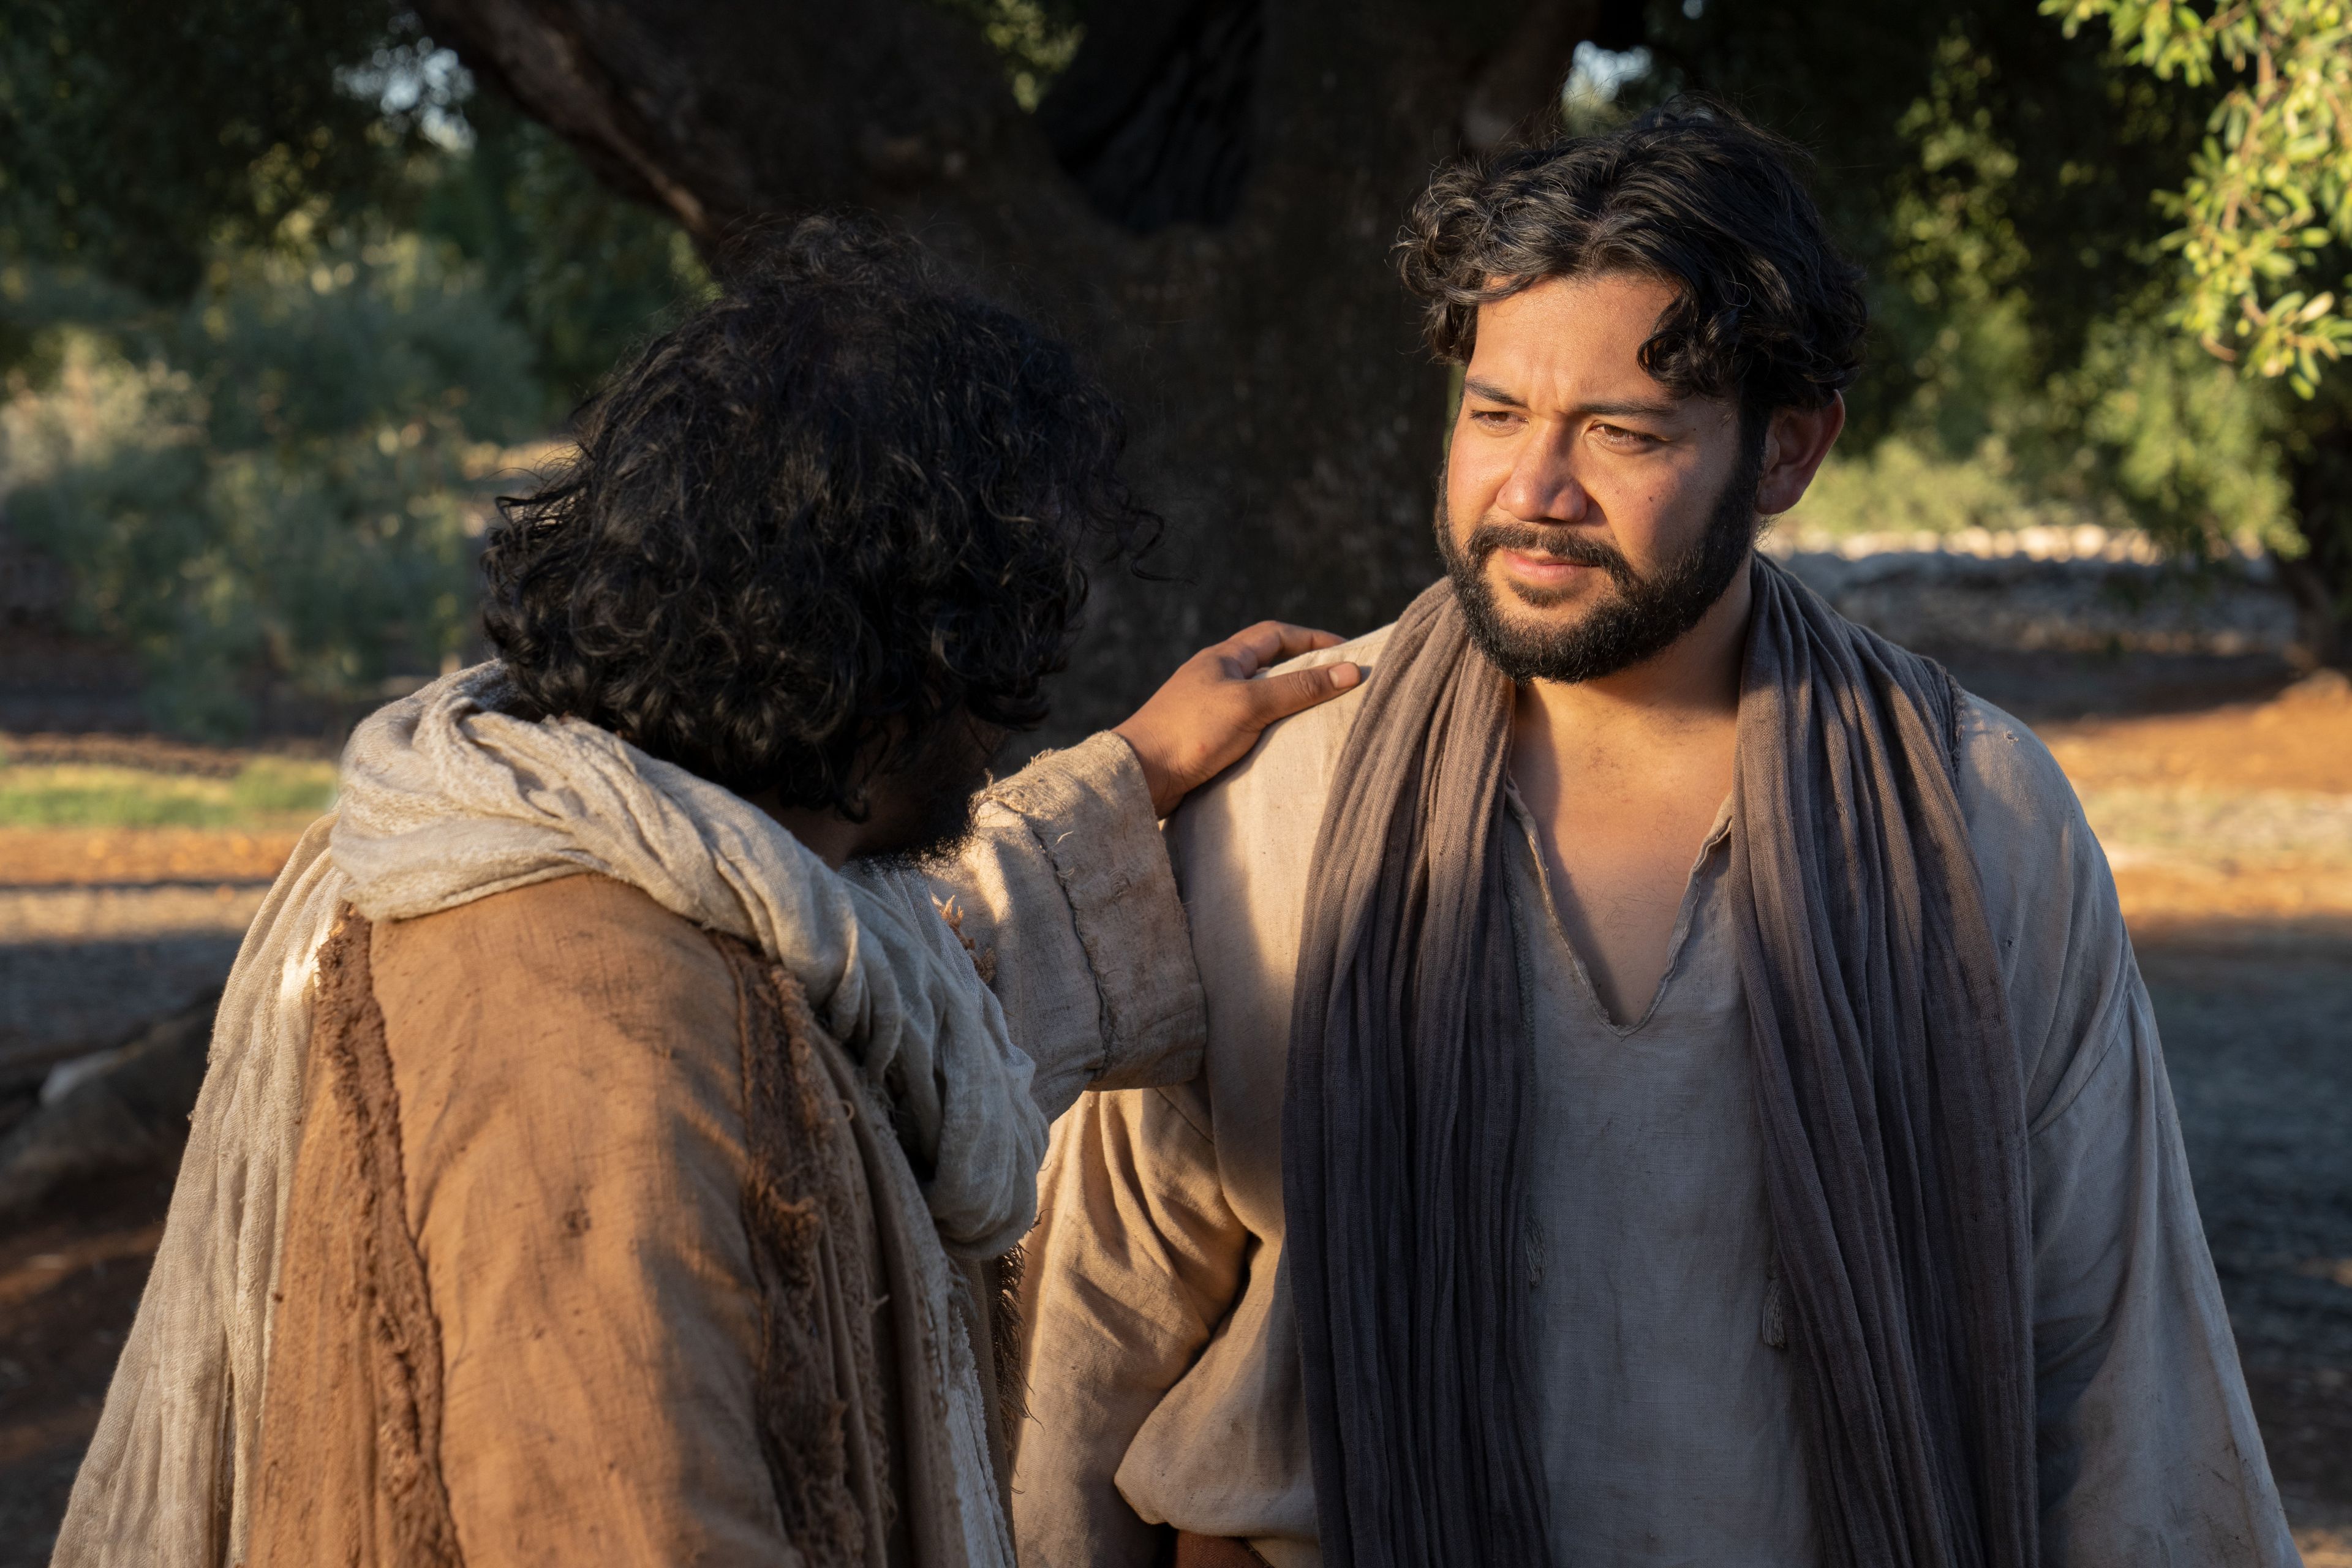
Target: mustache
1559, 544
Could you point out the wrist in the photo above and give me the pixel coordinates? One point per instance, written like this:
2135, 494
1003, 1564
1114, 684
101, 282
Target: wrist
1159, 781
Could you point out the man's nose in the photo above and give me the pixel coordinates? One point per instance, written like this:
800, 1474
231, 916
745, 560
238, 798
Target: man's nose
1543, 486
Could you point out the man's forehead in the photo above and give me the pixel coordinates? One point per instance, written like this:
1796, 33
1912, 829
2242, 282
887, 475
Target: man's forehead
1574, 339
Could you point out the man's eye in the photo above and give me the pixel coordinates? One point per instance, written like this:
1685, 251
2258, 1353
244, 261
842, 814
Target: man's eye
1618, 436
1493, 418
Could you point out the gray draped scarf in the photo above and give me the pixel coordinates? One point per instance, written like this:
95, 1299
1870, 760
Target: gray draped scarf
1886, 1084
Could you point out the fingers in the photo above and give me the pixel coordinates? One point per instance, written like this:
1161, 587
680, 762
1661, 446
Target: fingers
1280, 696
1297, 640
1271, 642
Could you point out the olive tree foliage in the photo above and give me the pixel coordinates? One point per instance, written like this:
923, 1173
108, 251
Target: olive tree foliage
2264, 238
1993, 176
2010, 183
2269, 194
137, 136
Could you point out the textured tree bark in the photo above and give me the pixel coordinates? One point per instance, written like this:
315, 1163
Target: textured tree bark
1205, 203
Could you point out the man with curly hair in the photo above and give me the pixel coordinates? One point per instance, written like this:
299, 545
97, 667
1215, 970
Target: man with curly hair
622, 1102
1678, 1091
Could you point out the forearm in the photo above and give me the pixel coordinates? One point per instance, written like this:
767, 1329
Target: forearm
1066, 898
1134, 1261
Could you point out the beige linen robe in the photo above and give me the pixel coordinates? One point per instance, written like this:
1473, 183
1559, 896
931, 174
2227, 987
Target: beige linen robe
1164, 1383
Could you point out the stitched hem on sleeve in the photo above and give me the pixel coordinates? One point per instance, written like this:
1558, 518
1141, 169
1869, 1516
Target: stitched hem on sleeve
1092, 816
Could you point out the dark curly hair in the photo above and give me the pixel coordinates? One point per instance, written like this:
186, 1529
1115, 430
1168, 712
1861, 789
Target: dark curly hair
841, 508
1769, 312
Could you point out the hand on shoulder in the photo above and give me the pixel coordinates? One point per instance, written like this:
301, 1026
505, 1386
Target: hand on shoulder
1210, 712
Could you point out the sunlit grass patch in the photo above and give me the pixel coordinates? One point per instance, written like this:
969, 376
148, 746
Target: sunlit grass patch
75, 794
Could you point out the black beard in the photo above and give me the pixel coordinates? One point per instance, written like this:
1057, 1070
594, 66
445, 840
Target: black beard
944, 825
954, 770
1641, 619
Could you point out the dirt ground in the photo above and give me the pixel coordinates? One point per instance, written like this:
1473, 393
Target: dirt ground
2222, 794
69, 1285
139, 857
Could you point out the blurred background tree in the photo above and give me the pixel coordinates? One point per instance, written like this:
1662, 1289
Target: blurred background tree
276, 476
2265, 237
276, 303
284, 280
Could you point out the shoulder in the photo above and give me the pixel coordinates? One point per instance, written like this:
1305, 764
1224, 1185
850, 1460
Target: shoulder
1242, 849
1243, 842
2006, 773
2031, 842
551, 937
2049, 900
1293, 760
583, 971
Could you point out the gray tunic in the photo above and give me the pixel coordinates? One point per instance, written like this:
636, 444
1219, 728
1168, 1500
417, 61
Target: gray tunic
1164, 1386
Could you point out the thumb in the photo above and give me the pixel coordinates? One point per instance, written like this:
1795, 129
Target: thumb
1293, 691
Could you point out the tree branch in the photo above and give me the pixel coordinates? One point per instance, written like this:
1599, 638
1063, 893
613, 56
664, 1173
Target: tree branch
1522, 80
722, 113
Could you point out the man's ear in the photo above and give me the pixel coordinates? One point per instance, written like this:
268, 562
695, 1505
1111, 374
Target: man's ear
1794, 444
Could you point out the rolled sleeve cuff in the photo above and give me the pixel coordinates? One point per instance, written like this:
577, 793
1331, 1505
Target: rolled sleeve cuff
1091, 815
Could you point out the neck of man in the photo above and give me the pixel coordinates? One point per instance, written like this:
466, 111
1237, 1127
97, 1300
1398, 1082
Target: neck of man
1690, 689
1623, 776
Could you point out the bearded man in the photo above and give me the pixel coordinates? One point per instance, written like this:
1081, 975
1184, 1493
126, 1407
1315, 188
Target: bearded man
606, 1140
1721, 1122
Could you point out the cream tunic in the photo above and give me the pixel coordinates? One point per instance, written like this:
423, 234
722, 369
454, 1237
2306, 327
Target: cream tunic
1164, 1376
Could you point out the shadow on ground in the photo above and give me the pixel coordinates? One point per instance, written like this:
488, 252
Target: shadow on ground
2257, 1029
2053, 687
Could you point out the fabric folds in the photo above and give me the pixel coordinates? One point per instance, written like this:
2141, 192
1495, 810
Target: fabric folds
1402, 1127
1886, 1083
446, 800
351, 1458
1887, 1089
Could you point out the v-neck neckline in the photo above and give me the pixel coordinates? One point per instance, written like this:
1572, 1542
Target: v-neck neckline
1684, 915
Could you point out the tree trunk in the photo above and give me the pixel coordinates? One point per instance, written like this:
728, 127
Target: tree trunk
1205, 203
2320, 579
